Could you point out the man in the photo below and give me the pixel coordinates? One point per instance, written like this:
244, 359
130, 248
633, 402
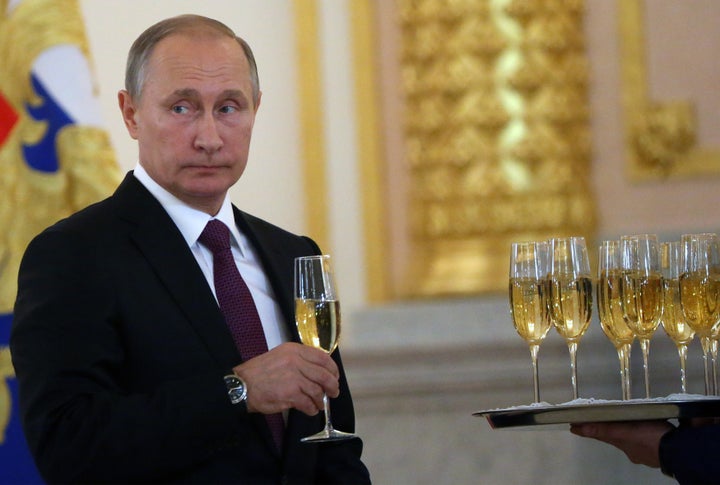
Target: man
126, 367
689, 453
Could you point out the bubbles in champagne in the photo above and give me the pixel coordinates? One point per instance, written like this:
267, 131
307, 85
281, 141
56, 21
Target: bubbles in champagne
673, 320
642, 302
318, 323
528, 301
571, 306
610, 309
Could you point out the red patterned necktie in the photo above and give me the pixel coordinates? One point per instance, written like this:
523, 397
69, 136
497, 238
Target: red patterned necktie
238, 306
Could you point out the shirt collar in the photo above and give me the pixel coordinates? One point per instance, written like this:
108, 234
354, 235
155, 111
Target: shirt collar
189, 220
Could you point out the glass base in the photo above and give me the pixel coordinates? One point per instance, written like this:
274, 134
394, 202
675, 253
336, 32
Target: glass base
328, 435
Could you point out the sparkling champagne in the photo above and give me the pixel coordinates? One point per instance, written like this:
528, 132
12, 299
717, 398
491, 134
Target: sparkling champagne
700, 298
571, 306
673, 320
529, 303
318, 323
642, 300
610, 309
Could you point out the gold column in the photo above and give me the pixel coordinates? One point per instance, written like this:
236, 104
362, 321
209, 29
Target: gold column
497, 131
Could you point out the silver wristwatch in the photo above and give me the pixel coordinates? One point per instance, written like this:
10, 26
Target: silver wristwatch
236, 389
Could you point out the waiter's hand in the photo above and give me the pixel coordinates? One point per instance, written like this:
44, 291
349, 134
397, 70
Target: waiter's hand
289, 376
639, 440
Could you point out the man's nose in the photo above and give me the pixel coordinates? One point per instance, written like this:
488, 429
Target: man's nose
207, 137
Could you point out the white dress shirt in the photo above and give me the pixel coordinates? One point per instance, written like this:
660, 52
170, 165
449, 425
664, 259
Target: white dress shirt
191, 223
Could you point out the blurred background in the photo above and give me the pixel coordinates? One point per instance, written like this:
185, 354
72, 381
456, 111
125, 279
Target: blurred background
415, 140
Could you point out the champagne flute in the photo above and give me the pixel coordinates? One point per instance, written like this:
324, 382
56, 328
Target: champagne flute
642, 291
528, 298
317, 316
570, 294
610, 310
673, 320
700, 291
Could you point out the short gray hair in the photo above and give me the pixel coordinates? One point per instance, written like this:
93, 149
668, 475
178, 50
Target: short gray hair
143, 46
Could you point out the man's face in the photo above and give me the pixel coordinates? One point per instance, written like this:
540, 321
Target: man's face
194, 118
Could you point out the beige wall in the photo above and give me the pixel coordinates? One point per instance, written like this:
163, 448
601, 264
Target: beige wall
669, 207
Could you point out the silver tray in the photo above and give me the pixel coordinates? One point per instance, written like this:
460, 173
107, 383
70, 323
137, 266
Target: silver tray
599, 410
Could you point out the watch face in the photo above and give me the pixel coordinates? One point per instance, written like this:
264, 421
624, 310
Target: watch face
236, 389
232, 382
237, 395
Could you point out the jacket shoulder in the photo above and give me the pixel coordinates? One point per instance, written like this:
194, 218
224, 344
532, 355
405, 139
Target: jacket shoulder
265, 230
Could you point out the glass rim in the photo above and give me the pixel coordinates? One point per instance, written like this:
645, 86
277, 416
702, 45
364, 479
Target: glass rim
637, 236
566, 238
312, 256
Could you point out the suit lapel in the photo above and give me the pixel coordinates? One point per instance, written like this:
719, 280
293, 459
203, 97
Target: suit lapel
278, 266
162, 244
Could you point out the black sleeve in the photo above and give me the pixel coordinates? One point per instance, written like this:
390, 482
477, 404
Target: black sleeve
691, 454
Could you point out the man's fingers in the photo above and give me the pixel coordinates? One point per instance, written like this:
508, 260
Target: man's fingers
306, 405
323, 379
320, 358
587, 430
612, 433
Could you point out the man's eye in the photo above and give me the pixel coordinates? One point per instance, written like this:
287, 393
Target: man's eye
180, 109
228, 109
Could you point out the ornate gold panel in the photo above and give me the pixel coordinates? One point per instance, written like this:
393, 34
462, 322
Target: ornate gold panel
661, 135
497, 133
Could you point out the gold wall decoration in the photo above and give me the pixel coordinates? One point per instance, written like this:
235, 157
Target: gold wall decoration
661, 135
31, 200
497, 132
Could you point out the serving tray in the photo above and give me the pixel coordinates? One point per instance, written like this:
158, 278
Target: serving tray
598, 410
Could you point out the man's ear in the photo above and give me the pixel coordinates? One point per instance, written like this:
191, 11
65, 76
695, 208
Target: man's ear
129, 112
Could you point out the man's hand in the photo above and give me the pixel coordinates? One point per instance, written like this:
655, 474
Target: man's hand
639, 440
289, 376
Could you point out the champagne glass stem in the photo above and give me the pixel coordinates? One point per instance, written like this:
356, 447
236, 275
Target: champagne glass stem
645, 346
713, 358
534, 349
705, 342
572, 348
626, 366
682, 352
328, 433
328, 421
621, 357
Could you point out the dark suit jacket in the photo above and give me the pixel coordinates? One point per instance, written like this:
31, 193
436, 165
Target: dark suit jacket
120, 350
